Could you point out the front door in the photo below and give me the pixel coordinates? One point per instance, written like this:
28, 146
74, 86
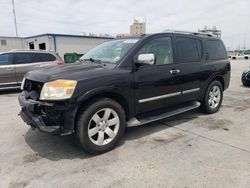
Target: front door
7, 71
157, 85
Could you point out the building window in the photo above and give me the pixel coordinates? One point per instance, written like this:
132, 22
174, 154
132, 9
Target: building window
31, 45
42, 46
3, 42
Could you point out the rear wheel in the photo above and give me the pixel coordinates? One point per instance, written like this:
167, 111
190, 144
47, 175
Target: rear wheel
100, 126
213, 98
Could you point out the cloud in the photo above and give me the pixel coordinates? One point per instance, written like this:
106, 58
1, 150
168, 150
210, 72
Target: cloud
115, 16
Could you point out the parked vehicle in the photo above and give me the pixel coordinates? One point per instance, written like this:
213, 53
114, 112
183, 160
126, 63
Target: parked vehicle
14, 64
125, 83
245, 78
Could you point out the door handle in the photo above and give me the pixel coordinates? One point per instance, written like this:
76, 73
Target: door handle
175, 71
9, 69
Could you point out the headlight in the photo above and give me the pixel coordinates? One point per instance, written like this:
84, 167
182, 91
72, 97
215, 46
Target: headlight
57, 90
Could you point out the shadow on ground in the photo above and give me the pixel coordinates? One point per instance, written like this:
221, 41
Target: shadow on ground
56, 148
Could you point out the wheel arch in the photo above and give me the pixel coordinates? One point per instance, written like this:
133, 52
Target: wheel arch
90, 97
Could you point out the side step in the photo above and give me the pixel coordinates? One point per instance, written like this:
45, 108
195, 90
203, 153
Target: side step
150, 117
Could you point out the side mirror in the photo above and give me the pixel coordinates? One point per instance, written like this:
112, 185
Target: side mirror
148, 59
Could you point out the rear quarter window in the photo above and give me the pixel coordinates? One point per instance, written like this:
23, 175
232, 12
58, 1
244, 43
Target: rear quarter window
216, 50
46, 57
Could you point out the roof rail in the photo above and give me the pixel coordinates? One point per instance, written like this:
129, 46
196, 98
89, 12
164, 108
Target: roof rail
189, 32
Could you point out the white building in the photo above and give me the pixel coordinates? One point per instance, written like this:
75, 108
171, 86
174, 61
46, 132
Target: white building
60, 43
10, 43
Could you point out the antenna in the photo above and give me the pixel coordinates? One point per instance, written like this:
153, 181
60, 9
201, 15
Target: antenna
14, 13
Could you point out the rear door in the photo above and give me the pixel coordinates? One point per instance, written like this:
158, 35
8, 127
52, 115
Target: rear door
25, 62
189, 60
7, 71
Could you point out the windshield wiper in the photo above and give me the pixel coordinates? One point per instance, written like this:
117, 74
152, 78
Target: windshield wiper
95, 61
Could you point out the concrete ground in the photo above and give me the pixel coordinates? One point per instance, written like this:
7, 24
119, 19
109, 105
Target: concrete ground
188, 150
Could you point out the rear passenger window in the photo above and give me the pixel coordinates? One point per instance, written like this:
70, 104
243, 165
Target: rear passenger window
189, 50
216, 50
42, 57
22, 58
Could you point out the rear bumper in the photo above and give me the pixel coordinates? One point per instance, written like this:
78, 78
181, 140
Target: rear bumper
54, 118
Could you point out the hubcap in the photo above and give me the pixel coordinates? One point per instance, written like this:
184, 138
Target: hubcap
214, 97
103, 126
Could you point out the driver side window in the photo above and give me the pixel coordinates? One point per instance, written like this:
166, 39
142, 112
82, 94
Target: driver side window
161, 48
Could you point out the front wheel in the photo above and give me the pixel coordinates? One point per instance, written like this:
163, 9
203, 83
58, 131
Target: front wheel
100, 126
213, 98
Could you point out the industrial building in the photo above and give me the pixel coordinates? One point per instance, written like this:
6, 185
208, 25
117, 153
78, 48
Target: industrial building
10, 43
60, 43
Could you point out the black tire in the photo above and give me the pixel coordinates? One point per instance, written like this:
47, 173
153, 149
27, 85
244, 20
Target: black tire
83, 121
205, 106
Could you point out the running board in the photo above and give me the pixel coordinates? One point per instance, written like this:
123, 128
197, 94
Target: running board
184, 108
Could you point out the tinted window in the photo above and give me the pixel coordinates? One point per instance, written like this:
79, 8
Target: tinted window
22, 58
47, 57
5, 59
187, 50
41, 57
161, 48
216, 50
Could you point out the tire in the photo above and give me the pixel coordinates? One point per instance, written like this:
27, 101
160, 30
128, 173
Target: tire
95, 133
213, 98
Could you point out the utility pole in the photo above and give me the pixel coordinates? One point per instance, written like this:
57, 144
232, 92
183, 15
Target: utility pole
14, 13
245, 41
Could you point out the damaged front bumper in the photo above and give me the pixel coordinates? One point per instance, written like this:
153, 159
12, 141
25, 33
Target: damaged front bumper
50, 117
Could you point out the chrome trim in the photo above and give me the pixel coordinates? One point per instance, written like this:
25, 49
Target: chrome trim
14, 87
159, 97
7, 83
190, 90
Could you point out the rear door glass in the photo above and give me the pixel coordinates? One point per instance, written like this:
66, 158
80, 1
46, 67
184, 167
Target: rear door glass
188, 50
22, 58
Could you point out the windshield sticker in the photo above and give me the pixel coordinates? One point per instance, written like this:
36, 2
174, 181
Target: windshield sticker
130, 41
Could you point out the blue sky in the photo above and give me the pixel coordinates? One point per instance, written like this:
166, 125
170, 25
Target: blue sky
115, 16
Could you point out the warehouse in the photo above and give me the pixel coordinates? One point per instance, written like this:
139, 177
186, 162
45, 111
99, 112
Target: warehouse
10, 43
63, 43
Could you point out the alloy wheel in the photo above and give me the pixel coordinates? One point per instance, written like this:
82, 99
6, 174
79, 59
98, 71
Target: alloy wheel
214, 97
103, 126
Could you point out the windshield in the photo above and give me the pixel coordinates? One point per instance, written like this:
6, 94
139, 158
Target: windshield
110, 52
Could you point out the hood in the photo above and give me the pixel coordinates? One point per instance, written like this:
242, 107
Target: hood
74, 71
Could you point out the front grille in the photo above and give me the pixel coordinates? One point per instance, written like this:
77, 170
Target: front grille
31, 85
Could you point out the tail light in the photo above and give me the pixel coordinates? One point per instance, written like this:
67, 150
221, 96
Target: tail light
60, 62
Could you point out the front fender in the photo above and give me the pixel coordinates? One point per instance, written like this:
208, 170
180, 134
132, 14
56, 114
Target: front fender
94, 92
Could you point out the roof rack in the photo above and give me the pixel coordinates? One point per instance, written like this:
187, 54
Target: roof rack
189, 32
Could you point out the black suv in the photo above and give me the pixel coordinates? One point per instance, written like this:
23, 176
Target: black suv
124, 83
